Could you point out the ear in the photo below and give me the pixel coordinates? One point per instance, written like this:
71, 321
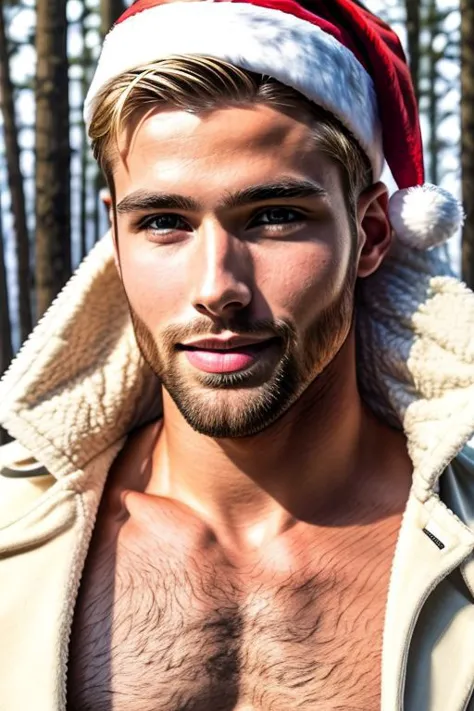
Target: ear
375, 232
106, 198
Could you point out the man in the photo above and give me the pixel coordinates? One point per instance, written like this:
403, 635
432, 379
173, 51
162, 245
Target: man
240, 478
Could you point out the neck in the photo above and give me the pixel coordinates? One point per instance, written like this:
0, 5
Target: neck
252, 488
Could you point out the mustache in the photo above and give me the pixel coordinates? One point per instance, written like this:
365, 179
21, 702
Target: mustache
273, 328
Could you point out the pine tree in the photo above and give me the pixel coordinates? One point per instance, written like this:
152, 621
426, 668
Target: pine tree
15, 180
413, 22
53, 210
6, 350
467, 132
110, 11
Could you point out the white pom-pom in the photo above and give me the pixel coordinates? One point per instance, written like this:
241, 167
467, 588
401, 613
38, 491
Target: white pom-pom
424, 216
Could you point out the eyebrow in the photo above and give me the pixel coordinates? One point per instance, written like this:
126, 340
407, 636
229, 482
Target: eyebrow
284, 189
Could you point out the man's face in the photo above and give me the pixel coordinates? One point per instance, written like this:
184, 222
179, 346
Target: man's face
237, 258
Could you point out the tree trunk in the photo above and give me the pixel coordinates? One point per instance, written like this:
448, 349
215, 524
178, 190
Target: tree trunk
412, 8
53, 153
99, 183
15, 182
433, 98
110, 11
83, 198
85, 149
6, 349
467, 140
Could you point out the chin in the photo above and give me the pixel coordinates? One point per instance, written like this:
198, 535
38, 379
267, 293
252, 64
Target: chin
234, 412
218, 425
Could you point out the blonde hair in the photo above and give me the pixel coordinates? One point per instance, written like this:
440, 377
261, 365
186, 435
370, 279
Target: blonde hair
201, 83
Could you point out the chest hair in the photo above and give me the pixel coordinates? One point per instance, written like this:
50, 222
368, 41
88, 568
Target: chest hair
161, 627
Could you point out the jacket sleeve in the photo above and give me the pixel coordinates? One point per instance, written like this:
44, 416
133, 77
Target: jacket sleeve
22, 481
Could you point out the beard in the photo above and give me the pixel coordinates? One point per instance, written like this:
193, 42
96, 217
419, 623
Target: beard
241, 404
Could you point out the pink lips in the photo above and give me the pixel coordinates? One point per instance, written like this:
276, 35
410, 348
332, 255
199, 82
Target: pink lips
222, 356
219, 362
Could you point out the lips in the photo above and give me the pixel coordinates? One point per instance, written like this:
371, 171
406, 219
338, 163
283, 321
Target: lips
219, 356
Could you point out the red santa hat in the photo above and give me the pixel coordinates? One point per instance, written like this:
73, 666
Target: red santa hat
337, 54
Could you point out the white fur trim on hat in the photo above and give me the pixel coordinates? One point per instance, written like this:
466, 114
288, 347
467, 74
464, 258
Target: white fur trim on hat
262, 40
425, 216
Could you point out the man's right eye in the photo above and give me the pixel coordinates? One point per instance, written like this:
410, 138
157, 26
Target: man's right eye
164, 223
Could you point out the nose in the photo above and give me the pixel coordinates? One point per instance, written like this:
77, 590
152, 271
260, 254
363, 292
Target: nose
221, 273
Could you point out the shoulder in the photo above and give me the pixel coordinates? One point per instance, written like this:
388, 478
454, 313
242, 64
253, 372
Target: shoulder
22, 481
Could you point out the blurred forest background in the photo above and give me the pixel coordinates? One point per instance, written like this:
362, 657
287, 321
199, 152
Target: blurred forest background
50, 208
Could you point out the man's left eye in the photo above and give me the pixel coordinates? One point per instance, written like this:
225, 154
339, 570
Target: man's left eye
276, 216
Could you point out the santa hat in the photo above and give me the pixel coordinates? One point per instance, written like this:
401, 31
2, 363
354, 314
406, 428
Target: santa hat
337, 54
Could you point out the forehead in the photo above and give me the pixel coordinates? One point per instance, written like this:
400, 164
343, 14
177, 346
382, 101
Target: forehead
217, 151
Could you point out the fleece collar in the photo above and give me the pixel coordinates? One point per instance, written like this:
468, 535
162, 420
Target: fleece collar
79, 383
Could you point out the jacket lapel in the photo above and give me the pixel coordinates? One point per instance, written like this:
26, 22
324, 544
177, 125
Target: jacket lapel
429, 619
42, 559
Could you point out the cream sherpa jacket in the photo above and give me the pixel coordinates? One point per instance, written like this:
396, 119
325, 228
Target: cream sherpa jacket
79, 386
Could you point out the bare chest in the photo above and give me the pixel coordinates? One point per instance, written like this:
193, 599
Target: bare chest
168, 624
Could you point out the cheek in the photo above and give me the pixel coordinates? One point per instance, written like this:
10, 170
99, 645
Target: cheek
154, 288
303, 281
